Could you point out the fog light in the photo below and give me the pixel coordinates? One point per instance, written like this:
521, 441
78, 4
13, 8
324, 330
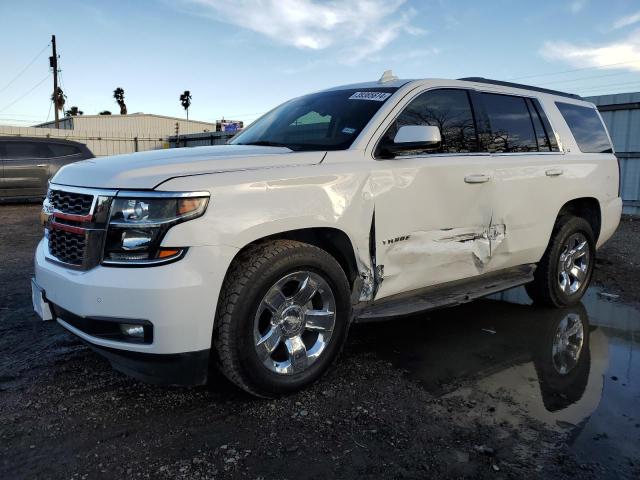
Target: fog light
136, 331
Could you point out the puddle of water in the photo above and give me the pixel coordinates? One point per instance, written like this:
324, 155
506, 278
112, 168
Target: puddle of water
575, 369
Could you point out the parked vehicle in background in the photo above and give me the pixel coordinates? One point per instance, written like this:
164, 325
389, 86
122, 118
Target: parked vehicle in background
358, 203
28, 163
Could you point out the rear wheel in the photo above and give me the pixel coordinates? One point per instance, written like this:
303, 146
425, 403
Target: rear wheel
564, 272
283, 317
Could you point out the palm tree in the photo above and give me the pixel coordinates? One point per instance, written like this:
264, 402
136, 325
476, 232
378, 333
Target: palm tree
105, 112
58, 98
185, 100
73, 112
118, 94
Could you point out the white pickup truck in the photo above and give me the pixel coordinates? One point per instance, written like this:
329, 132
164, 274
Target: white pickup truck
357, 203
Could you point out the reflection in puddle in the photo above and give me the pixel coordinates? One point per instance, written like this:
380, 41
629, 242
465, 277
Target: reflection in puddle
575, 369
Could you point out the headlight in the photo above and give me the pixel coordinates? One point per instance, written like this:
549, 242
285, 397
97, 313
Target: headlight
139, 221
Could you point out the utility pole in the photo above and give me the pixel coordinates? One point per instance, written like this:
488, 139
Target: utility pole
53, 61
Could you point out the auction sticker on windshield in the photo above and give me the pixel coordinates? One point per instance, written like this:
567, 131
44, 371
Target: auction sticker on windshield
375, 96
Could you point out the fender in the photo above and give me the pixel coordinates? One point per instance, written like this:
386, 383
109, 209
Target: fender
243, 210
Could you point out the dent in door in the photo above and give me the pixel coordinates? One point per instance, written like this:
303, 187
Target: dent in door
447, 248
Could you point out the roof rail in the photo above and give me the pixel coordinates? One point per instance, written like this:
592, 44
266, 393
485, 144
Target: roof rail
520, 85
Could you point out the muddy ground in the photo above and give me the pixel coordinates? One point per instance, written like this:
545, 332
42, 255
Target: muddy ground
465, 392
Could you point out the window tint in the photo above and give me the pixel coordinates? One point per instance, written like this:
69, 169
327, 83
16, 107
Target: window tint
60, 150
541, 135
17, 150
446, 109
538, 114
511, 125
586, 127
329, 120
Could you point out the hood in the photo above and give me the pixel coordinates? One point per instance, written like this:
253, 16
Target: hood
145, 170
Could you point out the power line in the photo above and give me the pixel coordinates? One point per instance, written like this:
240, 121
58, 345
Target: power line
574, 70
588, 78
610, 85
19, 115
24, 69
25, 94
49, 112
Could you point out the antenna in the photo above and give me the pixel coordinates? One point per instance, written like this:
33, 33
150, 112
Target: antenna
387, 76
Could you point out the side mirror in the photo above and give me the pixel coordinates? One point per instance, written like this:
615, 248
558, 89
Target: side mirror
413, 137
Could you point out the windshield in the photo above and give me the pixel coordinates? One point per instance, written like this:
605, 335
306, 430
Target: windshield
320, 121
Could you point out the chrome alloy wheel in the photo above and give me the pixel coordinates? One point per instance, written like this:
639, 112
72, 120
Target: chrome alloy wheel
567, 343
573, 264
294, 322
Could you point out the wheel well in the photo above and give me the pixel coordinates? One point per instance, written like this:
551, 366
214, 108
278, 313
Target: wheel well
587, 208
332, 240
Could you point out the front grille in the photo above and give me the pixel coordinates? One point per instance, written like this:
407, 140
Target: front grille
70, 202
67, 247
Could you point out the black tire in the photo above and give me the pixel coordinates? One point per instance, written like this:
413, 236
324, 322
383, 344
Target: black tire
250, 277
545, 288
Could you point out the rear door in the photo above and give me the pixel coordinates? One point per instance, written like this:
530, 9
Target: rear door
26, 169
528, 185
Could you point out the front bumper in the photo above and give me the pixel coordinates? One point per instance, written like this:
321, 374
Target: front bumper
179, 300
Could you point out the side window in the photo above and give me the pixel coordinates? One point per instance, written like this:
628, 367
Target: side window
61, 150
538, 112
19, 150
447, 109
511, 125
586, 127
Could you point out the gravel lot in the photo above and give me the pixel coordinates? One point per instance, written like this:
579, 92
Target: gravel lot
447, 395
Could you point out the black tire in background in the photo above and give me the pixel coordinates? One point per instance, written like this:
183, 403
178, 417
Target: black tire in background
256, 270
545, 289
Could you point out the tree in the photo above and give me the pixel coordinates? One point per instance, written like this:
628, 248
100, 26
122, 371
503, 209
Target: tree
185, 100
118, 94
105, 112
73, 112
58, 98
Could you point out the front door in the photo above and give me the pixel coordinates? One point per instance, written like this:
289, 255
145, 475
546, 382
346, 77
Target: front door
433, 210
26, 169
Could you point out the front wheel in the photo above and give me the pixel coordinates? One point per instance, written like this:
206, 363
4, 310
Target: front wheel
283, 317
565, 270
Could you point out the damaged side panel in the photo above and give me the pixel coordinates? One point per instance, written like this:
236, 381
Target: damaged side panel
431, 227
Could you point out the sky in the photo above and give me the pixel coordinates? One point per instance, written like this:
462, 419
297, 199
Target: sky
239, 58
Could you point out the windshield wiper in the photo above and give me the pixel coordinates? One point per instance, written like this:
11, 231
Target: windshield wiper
267, 143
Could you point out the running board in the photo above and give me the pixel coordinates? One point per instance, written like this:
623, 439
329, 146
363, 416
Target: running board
446, 295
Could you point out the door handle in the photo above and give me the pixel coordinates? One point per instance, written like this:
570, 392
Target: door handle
41, 165
481, 178
554, 172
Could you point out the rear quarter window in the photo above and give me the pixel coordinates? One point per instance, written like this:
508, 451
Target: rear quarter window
62, 150
586, 127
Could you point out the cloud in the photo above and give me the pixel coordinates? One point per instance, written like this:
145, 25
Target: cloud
577, 6
356, 28
626, 21
610, 55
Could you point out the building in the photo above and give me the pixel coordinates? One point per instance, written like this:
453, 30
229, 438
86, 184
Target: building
621, 114
137, 123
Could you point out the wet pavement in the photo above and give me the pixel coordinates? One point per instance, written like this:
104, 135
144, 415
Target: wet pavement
575, 370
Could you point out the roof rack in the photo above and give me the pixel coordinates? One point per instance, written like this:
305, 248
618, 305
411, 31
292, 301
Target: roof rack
520, 85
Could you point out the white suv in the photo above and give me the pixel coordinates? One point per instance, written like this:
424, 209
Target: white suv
357, 203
